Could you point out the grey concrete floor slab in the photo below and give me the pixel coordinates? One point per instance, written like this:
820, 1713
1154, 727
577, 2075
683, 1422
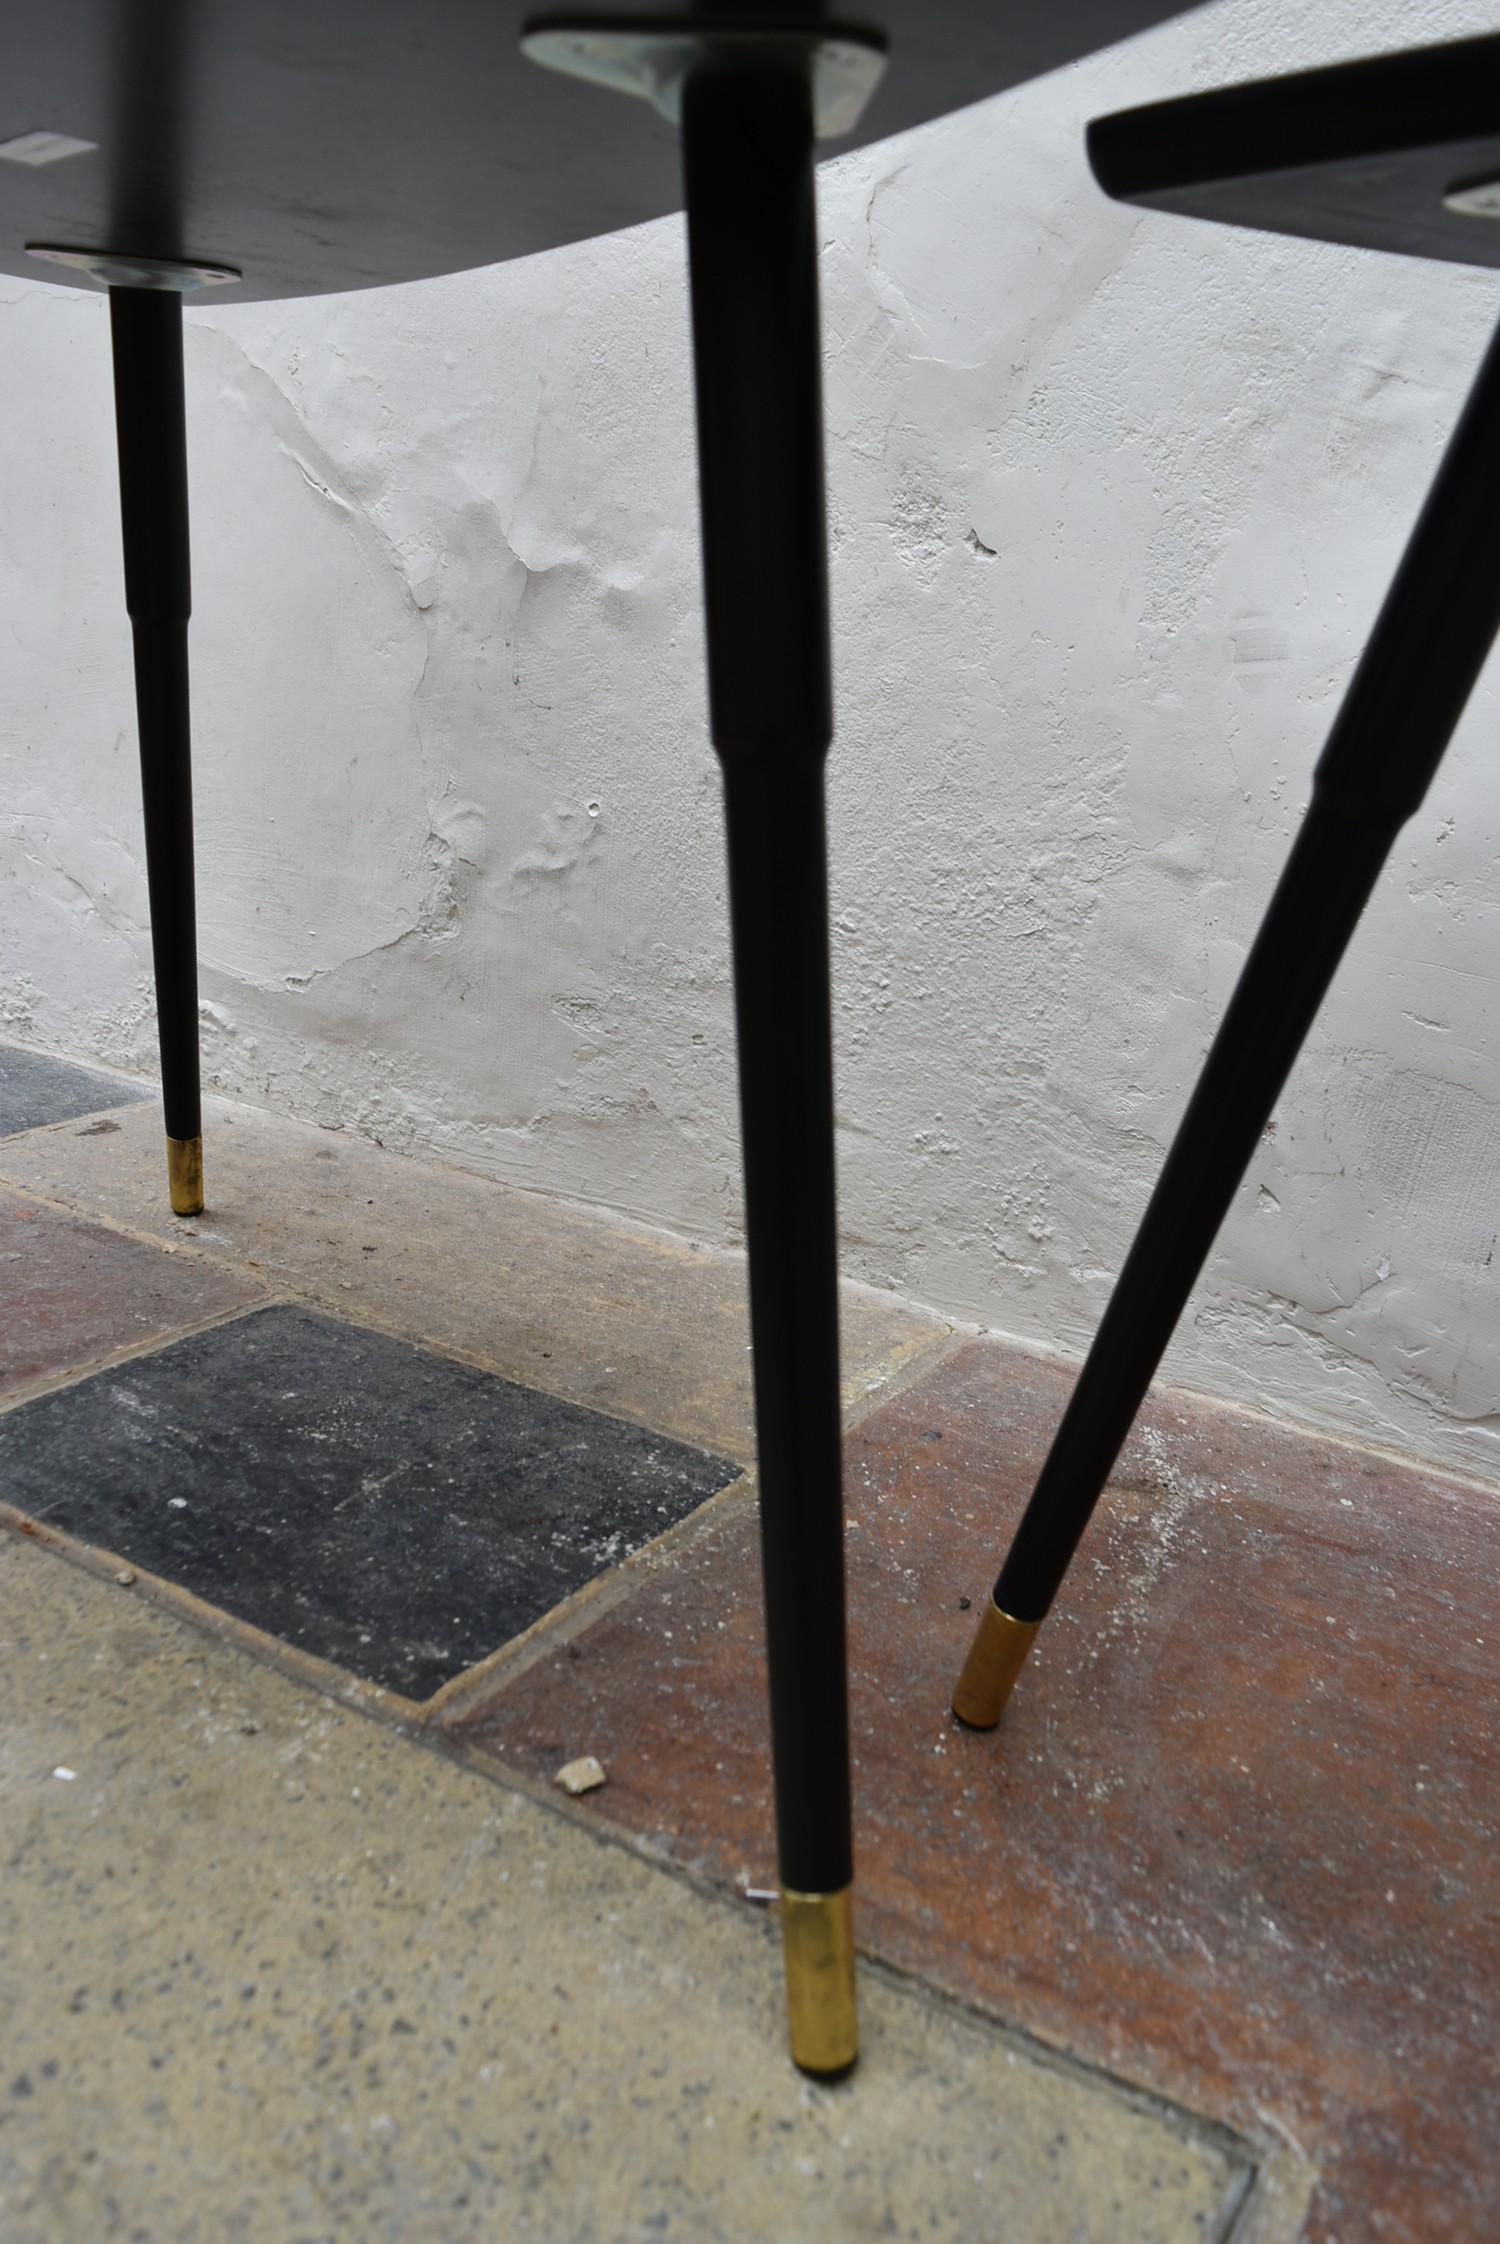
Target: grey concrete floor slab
36, 1090
271, 1970
628, 1319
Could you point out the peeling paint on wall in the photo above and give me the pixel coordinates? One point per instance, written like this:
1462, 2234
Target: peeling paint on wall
1113, 500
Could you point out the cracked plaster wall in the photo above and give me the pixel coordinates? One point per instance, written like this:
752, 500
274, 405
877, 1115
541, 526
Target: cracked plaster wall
1113, 501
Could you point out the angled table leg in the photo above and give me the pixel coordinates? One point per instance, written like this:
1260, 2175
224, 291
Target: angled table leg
747, 157
1408, 693
146, 328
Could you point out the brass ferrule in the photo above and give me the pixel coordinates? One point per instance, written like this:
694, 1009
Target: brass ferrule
996, 1657
817, 1940
185, 1175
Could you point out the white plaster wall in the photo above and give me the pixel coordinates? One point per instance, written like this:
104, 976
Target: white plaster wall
1114, 500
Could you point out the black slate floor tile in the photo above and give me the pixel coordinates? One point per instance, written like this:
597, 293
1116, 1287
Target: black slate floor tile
386, 1508
36, 1089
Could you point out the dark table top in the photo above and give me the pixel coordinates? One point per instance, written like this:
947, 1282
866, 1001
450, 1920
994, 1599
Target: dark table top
1368, 153
333, 144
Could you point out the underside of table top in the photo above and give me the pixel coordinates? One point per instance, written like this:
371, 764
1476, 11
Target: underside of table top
318, 145
1366, 153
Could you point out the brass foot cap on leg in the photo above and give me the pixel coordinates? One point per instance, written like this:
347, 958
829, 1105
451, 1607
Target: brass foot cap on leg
185, 1175
817, 1939
996, 1657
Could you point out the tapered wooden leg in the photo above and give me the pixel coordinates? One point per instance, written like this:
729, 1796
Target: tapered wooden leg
1428, 647
146, 328
747, 153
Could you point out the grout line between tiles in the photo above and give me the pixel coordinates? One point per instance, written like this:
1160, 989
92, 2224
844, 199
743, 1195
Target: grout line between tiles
80, 1212
324, 1676
876, 1387
578, 1612
943, 1348
153, 1344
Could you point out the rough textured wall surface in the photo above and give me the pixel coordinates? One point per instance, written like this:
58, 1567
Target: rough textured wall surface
1114, 499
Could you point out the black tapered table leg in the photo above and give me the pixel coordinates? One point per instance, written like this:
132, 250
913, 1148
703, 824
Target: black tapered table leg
146, 329
1428, 647
747, 157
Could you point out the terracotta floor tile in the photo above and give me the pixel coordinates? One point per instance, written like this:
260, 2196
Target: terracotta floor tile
74, 1293
1238, 1834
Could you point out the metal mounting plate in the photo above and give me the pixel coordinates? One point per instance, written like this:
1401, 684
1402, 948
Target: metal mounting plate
1477, 198
651, 60
117, 270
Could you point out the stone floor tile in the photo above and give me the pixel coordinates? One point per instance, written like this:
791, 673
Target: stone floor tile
36, 1090
268, 1969
630, 1320
73, 1294
363, 1500
1239, 1834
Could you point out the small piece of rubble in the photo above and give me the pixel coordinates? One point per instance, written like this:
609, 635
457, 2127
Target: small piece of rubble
584, 1775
